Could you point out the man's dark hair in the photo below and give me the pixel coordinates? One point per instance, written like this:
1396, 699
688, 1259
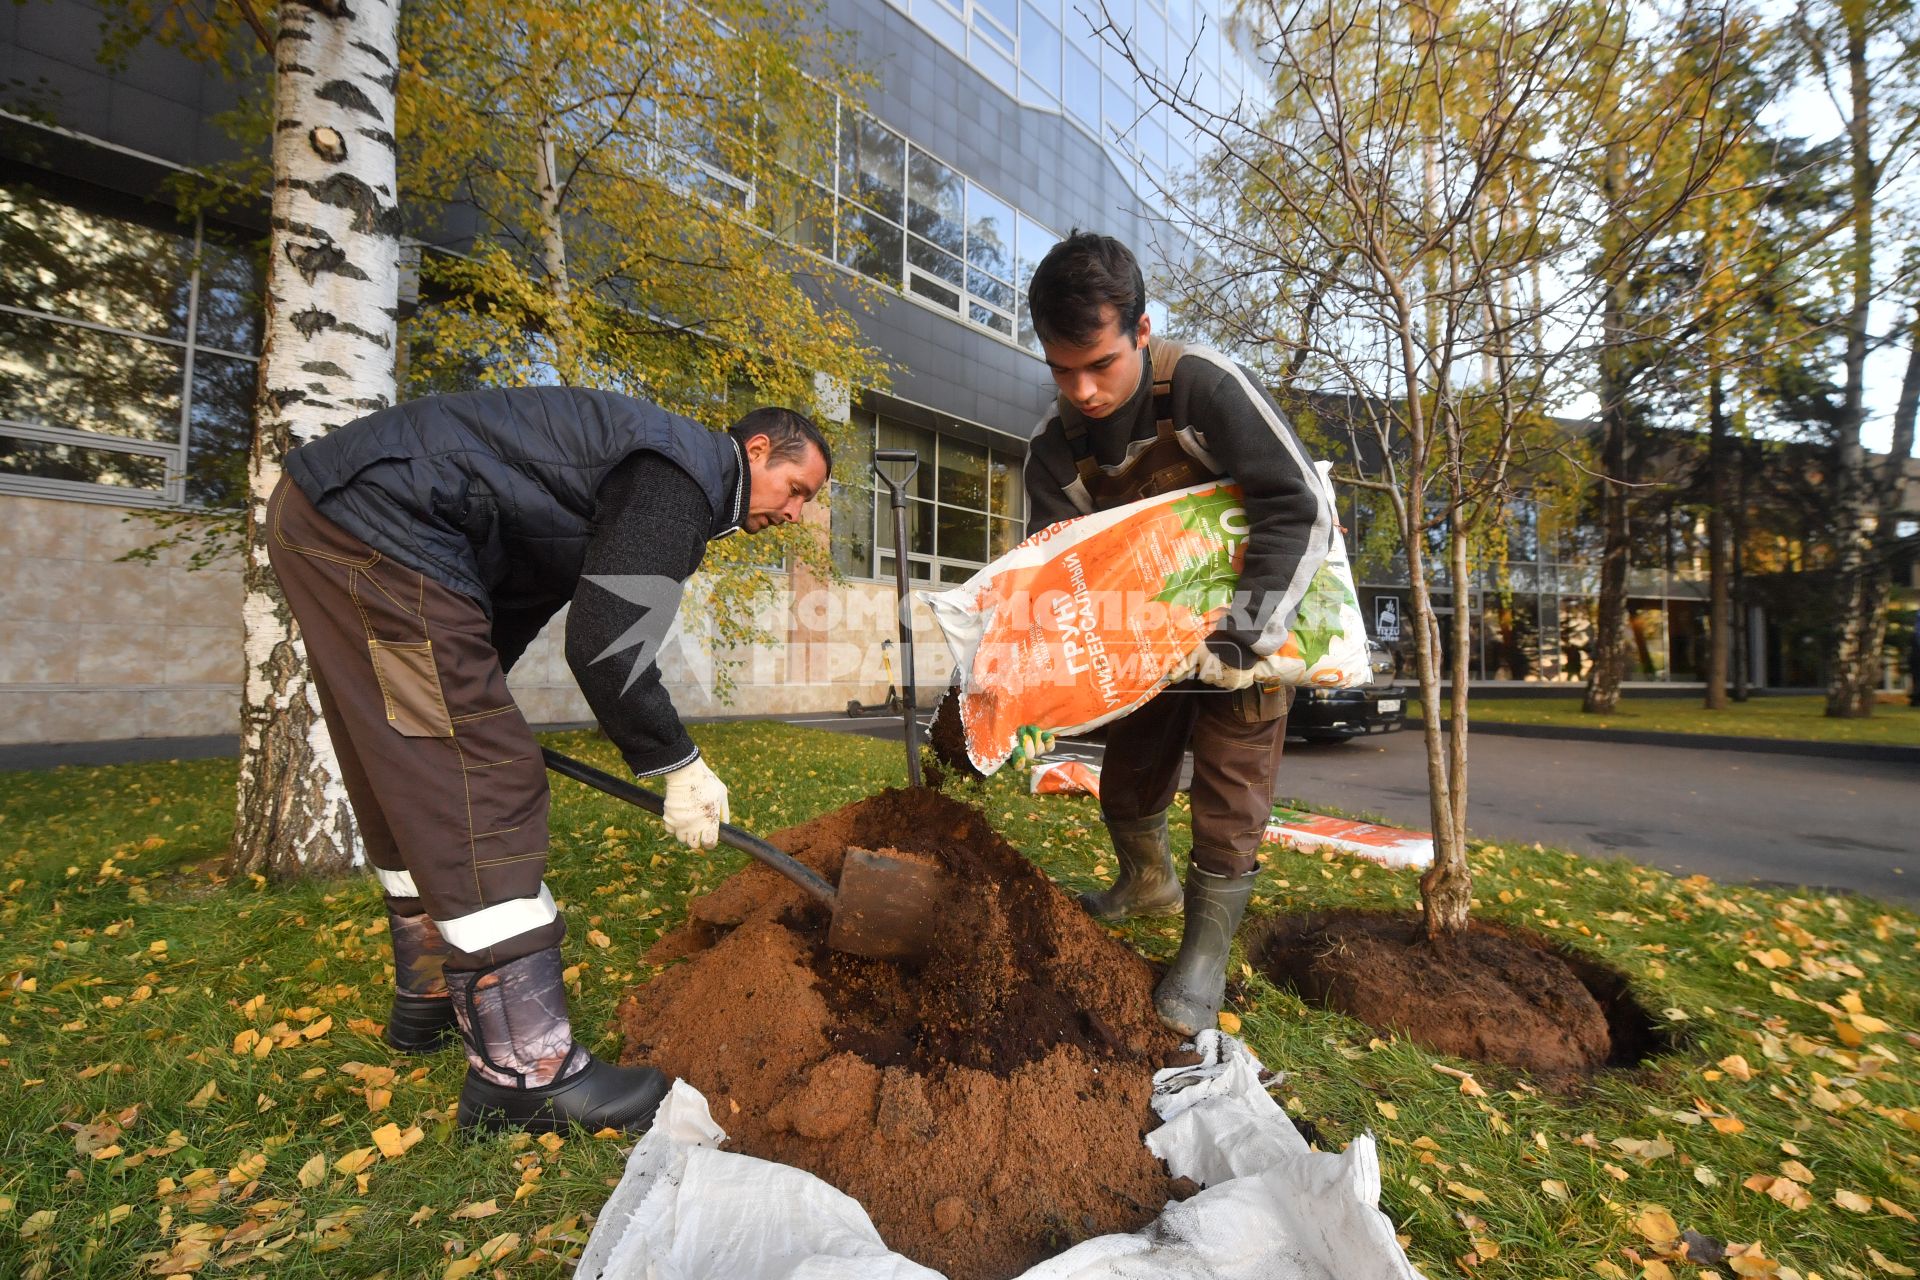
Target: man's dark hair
788, 432
1080, 277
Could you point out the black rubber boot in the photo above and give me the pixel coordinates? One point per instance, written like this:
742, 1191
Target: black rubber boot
420, 1024
1188, 998
421, 1020
524, 1069
598, 1095
1147, 884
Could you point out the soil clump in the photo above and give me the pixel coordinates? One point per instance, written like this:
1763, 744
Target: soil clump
948, 737
985, 1106
1495, 994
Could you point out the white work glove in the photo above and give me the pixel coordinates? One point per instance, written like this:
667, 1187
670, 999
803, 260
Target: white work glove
1206, 665
696, 805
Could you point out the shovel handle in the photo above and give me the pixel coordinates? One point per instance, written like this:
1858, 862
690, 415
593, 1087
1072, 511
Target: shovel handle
620, 789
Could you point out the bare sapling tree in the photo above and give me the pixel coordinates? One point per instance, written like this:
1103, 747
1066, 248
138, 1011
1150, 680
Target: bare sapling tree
1396, 234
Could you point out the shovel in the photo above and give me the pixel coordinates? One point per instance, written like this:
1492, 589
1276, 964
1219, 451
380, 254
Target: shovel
884, 908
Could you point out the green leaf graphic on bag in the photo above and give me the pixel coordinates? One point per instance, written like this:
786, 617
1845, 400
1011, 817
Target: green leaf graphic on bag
1318, 621
1208, 583
1201, 587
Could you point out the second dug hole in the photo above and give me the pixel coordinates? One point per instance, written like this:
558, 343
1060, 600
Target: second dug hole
986, 1106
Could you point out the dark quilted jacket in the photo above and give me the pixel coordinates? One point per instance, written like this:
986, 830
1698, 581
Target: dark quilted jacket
491, 492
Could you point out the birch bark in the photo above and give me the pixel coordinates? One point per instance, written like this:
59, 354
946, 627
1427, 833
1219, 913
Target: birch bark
332, 285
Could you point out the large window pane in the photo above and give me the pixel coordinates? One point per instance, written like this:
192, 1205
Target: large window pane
1004, 12
62, 375
932, 260
919, 526
895, 435
963, 474
989, 232
230, 296
1032, 246
1007, 494
70, 254
918, 568
933, 291
1082, 95
870, 245
987, 288
219, 430
1040, 50
992, 319
75, 462
1006, 536
798, 212
873, 161
935, 198
963, 534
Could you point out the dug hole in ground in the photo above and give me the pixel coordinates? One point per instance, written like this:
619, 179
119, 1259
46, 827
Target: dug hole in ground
992, 1111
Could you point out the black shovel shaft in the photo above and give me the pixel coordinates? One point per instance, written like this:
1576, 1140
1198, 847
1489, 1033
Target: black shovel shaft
897, 489
745, 841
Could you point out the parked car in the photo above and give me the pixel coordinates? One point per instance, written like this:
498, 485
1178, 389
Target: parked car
1335, 715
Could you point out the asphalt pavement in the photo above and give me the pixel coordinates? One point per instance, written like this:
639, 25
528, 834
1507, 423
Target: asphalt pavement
1846, 825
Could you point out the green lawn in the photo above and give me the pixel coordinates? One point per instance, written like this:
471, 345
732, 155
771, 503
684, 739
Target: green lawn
1801, 718
190, 1079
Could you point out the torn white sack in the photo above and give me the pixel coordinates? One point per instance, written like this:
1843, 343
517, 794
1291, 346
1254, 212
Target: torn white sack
1272, 1208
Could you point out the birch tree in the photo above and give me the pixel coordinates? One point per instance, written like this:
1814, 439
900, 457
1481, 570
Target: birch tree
1862, 53
328, 358
1401, 229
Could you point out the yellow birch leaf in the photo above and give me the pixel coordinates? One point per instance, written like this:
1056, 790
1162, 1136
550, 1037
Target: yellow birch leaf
1727, 1124
1881, 1261
1894, 1209
392, 1142
1736, 1066
37, 1222
314, 1030
377, 1099
1797, 1171
498, 1247
1867, 1024
244, 1042
472, 1212
313, 1172
1657, 1225
355, 1160
1555, 1188
1229, 1022
1387, 1109
1465, 1192
598, 938
1654, 1269
460, 1267
1852, 1200
1610, 1270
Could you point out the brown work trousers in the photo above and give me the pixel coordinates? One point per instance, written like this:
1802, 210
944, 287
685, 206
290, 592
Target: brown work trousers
1236, 740
444, 774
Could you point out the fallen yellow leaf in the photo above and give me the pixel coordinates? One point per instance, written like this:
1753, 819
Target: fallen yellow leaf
1894, 1209
313, 1172
1881, 1261
1229, 1022
598, 938
355, 1160
1555, 1188
1852, 1200
471, 1212
1387, 1109
1658, 1226
392, 1142
1465, 1192
1797, 1171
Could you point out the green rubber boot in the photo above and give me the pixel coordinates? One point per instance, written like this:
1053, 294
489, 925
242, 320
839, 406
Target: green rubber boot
1147, 884
1188, 998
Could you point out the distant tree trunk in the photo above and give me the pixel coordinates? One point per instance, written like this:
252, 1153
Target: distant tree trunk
1860, 589
1743, 625
332, 285
552, 195
1610, 616
1719, 603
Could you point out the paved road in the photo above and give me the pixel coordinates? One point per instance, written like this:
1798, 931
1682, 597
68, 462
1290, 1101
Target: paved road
1842, 824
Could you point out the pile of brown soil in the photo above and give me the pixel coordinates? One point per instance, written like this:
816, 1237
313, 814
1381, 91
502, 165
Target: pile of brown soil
1496, 994
986, 1106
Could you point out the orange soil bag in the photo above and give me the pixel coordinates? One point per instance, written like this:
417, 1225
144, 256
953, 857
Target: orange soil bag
1089, 618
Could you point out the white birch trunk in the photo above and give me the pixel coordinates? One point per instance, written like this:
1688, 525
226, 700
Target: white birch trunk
332, 285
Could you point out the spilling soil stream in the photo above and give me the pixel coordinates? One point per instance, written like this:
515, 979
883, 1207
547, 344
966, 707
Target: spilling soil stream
986, 1106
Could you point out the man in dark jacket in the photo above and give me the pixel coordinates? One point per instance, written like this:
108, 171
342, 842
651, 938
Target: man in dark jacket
1136, 417
422, 549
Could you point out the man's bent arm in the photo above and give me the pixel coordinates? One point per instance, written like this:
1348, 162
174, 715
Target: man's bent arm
650, 534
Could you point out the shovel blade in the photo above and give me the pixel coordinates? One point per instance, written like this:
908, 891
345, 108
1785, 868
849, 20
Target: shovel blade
886, 906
